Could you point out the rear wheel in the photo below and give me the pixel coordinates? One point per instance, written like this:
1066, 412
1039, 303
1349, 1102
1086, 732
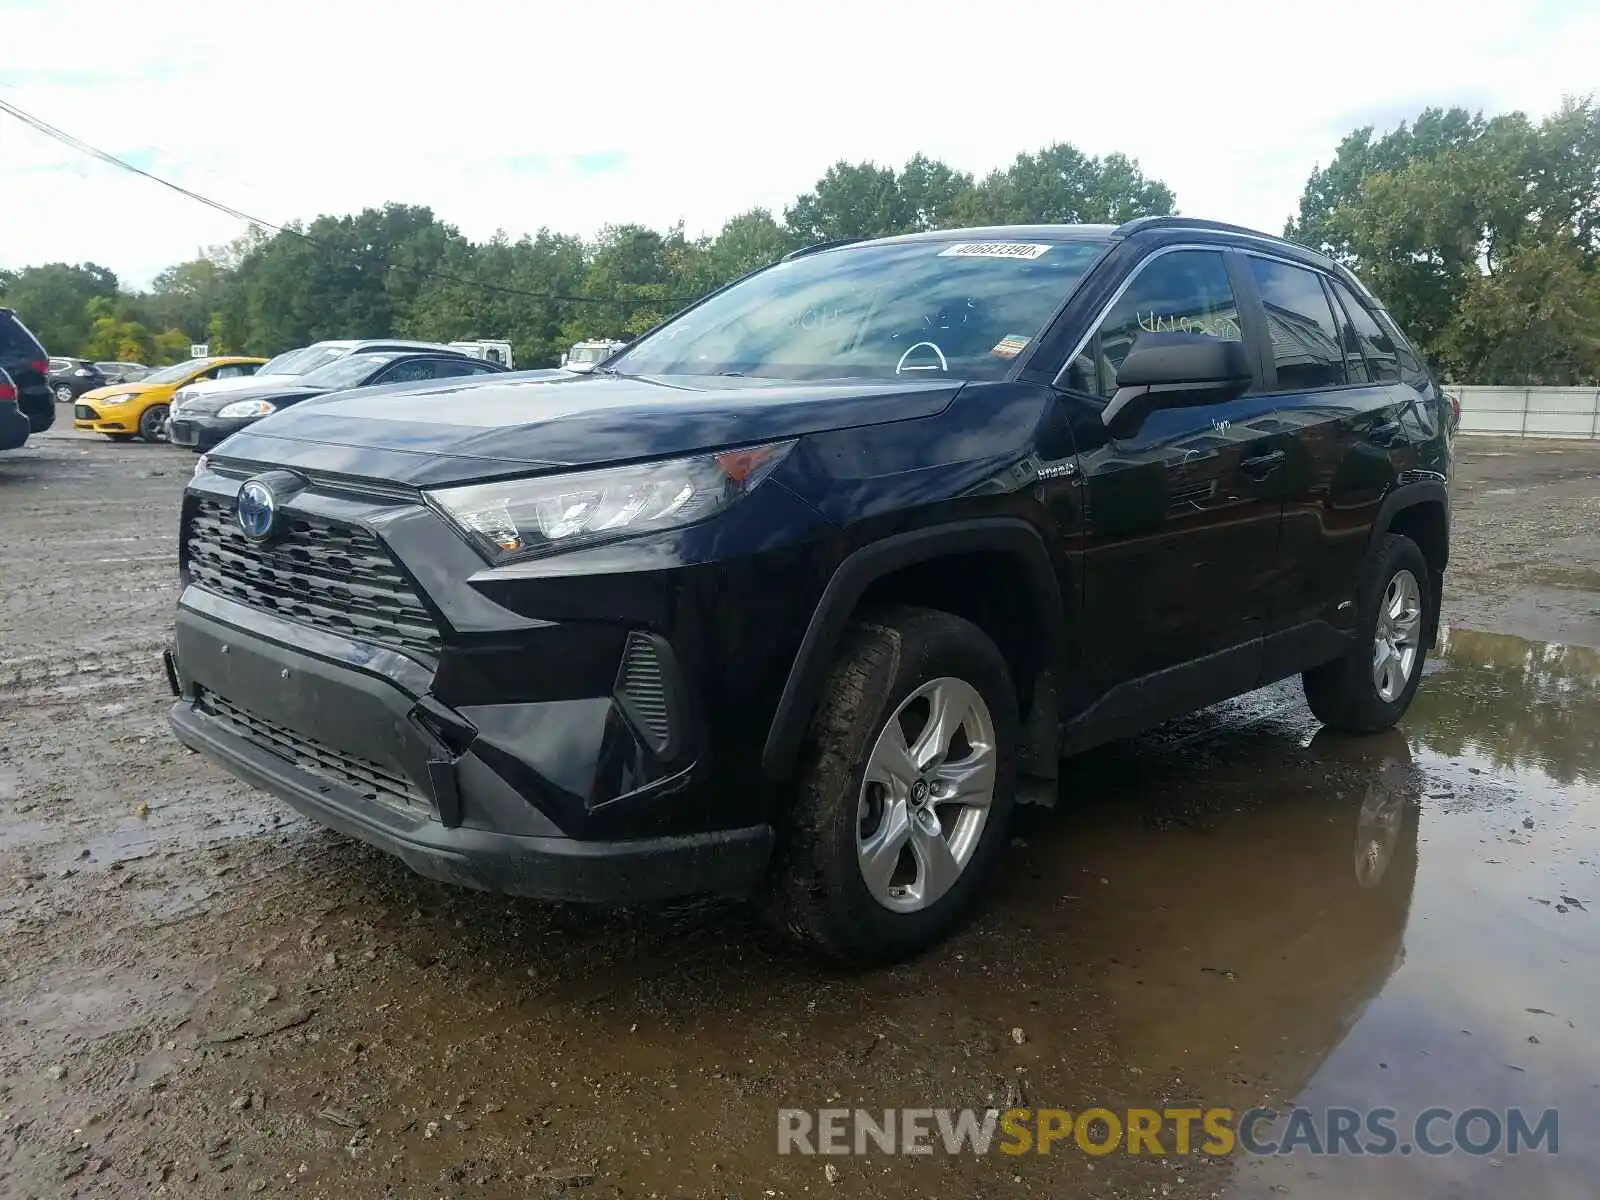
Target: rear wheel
152, 425
1370, 687
63, 393
905, 788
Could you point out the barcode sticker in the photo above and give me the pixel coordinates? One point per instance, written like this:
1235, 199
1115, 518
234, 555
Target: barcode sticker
993, 250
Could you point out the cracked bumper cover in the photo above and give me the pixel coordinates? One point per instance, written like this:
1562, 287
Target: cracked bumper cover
467, 825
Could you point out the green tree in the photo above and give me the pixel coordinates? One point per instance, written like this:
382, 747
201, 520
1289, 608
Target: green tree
851, 200
750, 240
1062, 185
1435, 131
1484, 239
54, 300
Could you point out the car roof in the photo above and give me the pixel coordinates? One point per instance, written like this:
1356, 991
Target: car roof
1164, 227
385, 344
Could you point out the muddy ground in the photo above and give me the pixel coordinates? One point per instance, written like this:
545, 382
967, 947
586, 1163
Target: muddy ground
202, 994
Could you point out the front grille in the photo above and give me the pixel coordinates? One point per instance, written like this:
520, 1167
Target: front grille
320, 573
375, 783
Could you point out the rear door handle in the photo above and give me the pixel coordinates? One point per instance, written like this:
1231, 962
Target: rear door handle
1262, 464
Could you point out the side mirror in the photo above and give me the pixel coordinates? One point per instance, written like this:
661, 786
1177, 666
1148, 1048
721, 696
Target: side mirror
1166, 370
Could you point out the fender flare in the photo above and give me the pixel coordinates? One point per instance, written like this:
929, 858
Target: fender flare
1414, 495
1410, 495
1011, 536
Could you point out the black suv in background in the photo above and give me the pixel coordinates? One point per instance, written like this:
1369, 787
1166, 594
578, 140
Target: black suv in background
72, 377
24, 359
14, 428
797, 594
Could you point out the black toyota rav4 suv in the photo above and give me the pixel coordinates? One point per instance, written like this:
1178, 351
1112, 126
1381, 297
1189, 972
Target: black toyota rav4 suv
799, 594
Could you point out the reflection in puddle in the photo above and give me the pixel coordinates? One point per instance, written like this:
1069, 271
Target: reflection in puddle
1489, 999
1518, 704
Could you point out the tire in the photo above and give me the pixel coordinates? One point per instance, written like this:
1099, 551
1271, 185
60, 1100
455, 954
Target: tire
819, 891
64, 394
150, 422
1345, 694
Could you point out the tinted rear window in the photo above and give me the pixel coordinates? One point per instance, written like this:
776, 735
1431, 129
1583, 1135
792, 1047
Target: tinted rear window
16, 341
1305, 343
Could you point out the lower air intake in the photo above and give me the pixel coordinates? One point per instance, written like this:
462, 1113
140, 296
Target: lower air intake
644, 692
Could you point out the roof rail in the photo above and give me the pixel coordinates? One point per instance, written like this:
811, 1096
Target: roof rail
1140, 224
818, 247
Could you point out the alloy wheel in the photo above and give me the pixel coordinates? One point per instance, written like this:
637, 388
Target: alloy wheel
1399, 636
926, 794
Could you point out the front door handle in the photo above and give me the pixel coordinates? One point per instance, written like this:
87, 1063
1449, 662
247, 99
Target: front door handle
1386, 434
1262, 464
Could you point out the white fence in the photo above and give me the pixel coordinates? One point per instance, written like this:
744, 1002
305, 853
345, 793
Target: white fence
1557, 412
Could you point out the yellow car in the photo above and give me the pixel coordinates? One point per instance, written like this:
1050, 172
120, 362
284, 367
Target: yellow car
127, 410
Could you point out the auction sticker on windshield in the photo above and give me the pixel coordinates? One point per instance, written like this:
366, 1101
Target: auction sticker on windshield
993, 250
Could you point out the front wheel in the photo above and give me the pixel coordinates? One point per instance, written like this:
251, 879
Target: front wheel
152, 425
905, 788
1370, 687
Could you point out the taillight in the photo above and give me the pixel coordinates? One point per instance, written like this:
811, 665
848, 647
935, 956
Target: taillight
8, 391
1455, 407
42, 366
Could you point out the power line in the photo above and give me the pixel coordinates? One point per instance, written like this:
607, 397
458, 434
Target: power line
42, 126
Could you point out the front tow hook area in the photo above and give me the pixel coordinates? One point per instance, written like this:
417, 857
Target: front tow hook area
450, 735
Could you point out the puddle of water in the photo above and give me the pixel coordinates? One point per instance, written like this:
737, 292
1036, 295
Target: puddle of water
1237, 909
1490, 999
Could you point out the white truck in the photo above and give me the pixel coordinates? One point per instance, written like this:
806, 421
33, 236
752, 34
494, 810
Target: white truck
488, 351
586, 356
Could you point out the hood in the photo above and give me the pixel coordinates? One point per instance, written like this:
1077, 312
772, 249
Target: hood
504, 425
205, 387
281, 390
122, 389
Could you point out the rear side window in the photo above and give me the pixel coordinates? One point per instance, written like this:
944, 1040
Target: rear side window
408, 372
1186, 291
1383, 358
16, 341
1412, 369
450, 369
1305, 343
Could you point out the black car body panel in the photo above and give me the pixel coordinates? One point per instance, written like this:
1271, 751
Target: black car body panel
646, 697
14, 427
24, 359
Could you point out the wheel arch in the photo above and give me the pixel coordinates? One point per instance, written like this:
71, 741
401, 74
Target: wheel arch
1421, 512
887, 570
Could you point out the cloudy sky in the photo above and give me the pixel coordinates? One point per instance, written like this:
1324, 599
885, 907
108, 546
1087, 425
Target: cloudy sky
520, 115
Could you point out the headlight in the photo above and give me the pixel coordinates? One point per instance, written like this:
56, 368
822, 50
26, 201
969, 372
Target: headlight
202, 464
520, 518
248, 408
119, 398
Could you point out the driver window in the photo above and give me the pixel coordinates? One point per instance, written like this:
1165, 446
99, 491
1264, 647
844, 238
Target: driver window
1186, 291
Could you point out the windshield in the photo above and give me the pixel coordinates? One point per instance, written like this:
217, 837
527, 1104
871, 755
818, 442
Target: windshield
586, 354
920, 309
307, 358
349, 371
175, 372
